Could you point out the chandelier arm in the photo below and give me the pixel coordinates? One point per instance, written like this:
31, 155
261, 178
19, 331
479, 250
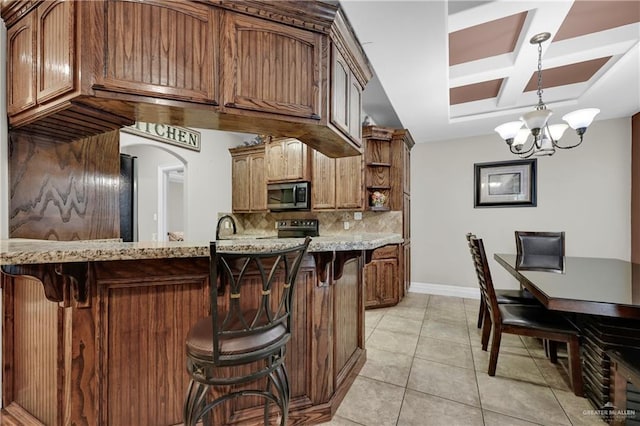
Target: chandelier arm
521, 152
568, 146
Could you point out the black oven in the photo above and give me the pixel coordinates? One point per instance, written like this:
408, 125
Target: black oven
289, 196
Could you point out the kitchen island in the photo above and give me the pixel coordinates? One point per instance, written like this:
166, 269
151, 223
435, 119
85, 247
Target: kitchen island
93, 331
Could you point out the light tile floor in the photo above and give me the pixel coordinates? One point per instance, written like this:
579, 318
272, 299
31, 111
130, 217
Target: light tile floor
425, 367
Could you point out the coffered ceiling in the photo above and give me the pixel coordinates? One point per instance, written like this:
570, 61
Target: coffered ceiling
460, 68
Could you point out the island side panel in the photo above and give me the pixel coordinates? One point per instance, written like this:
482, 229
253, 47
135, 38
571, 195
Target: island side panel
64, 190
145, 310
30, 375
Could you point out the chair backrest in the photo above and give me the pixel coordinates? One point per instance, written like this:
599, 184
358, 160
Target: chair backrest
481, 266
539, 243
251, 300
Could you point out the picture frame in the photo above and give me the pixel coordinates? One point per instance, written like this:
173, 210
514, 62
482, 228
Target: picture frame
505, 184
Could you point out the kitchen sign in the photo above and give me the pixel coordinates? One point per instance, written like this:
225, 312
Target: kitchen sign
174, 135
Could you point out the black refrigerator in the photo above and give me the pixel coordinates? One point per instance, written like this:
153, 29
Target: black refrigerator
128, 198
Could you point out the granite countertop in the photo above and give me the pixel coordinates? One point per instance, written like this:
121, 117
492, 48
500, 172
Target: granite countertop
25, 251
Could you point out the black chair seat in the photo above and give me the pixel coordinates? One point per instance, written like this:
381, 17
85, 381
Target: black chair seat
534, 317
521, 297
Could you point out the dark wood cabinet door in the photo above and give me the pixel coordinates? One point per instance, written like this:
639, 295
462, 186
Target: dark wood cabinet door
56, 49
270, 67
258, 183
382, 284
240, 179
21, 63
323, 182
340, 91
164, 49
349, 190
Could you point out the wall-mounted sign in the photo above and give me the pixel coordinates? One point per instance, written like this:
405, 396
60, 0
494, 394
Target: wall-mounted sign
174, 135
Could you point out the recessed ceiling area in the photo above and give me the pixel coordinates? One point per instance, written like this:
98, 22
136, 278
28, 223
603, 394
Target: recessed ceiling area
458, 69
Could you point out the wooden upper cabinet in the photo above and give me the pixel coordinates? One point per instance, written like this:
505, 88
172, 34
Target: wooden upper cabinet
287, 160
56, 49
323, 182
349, 188
40, 56
248, 179
270, 67
258, 183
346, 98
21, 65
162, 48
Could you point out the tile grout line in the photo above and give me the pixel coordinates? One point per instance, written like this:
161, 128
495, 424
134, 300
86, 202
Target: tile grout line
475, 371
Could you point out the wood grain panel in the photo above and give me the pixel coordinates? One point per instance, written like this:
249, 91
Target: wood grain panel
323, 178
346, 300
56, 49
349, 189
21, 65
64, 191
35, 351
144, 322
161, 47
271, 67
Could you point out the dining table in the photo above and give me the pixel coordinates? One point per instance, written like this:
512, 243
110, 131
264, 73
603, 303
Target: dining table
601, 296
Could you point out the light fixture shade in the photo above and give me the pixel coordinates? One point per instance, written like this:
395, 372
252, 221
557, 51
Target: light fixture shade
581, 118
508, 130
521, 137
557, 130
536, 119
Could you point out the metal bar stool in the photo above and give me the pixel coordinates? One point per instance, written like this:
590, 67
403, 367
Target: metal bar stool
250, 324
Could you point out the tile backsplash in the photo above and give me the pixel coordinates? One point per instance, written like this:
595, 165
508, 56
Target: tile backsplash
331, 223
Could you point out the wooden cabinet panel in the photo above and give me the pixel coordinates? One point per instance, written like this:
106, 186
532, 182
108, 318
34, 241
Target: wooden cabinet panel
382, 282
323, 186
406, 218
56, 49
270, 67
406, 161
349, 191
340, 92
258, 183
406, 257
248, 180
163, 48
240, 178
287, 160
355, 109
21, 63
346, 98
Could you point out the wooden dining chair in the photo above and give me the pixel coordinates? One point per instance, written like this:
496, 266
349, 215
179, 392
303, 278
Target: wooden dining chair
244, 339
524, 320
504, 296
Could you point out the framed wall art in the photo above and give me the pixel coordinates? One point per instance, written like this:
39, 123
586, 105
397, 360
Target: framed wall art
505, 184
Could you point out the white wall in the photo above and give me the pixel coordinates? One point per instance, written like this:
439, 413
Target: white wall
584, 191
207, 179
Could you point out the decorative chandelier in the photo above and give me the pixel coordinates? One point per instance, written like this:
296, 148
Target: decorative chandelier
544, 136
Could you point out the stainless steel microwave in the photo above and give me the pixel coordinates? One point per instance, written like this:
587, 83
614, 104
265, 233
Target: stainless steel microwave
289, 196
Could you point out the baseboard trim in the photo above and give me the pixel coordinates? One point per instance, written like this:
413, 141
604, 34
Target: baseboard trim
445, 290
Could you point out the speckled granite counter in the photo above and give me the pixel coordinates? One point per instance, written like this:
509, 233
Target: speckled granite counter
24, 251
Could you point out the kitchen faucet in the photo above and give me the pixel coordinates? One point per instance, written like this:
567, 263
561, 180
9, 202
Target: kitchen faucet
222, 219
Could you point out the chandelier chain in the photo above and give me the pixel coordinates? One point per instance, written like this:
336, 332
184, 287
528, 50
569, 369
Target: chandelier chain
541, 104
